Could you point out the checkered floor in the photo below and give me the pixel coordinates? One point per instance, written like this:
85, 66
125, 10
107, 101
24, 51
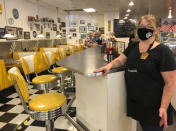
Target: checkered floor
12, 114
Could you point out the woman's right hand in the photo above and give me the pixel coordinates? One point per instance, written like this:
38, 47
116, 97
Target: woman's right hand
104, 69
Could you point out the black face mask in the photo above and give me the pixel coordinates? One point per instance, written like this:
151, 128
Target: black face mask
144, 33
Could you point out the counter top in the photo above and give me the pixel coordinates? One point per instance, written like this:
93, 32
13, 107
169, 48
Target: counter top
85, 62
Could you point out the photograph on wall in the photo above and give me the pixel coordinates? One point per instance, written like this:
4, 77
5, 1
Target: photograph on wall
58, 20
20, 33
34, 33
63, 30
2, 33
62, 24
96, 28
83, 36
12, 31
26, 35
89, 24
74, 34
48, 35
73, 23
91, 28
101, 29
82, 29
54, 27
82, 22
72, 29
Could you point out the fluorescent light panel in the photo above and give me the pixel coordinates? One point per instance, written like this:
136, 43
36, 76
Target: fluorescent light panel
89, 10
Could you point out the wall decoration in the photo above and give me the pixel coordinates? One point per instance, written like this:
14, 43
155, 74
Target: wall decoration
58, 20
10, 21
109, 25
72, 29
90, 28
54, 27
74, 35
96, 28
82, 29
89, 24
60, 27
0, 8
31, 18
41, 29
101, 29
15, 13
20, 33
83, 36
63, 24
82, 21
12, 31
37, 27
26, 35
73, 23
48, 35
34, 33
2, 33
57, 33
63, 30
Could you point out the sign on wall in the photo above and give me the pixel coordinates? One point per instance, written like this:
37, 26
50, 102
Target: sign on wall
0, 8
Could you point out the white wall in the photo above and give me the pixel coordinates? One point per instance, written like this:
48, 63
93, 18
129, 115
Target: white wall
27, 8
110, 16
95, 20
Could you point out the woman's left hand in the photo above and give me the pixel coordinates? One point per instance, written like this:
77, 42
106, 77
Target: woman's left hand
163, 115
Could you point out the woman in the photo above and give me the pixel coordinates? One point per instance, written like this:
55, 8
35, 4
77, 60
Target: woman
150, 77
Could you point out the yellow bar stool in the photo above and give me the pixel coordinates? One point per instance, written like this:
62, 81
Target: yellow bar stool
44, 107
60, 72
35, 64
71, 49
55, 50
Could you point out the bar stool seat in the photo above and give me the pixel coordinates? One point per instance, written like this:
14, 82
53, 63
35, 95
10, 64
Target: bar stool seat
60, 70
44, 79
47, 102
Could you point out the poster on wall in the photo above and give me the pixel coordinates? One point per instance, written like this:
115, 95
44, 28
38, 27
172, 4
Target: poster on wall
89, 24
54, 27
62, 24
90, 28
82, 29
26, 35
20, 33
48, 35
2, 33
12, 31
74, 35
109, 25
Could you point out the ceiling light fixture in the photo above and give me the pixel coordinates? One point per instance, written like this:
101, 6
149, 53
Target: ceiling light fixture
131, 3
170, 14
125, 18
89, 10
127, 15
128, 10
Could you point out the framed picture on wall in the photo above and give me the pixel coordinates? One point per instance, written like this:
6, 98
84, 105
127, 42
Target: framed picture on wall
82, 29
54, 27
12, 31
101, 29
73, 23
26, 35
82, 22
72, 29
2, 33
58, 20
48, 35
89, 24
20, 33
62, 24
74, 35
90, 28
83, 36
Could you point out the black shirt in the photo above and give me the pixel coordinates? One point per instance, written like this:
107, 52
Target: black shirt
145, 84
131, 37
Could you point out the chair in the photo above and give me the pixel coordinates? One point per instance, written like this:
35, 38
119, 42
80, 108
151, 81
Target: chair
44, 107
71, 49
5, 80
53, 49
35, 64
60, 72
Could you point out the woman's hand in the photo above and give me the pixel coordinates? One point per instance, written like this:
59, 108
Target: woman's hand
163, 115
104, 69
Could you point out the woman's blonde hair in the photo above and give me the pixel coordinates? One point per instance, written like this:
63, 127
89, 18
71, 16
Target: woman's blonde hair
152, 21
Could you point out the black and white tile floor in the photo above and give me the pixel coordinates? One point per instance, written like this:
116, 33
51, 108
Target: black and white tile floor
13, 116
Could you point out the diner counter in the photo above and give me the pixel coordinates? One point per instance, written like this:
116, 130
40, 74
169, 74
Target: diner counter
86, 61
